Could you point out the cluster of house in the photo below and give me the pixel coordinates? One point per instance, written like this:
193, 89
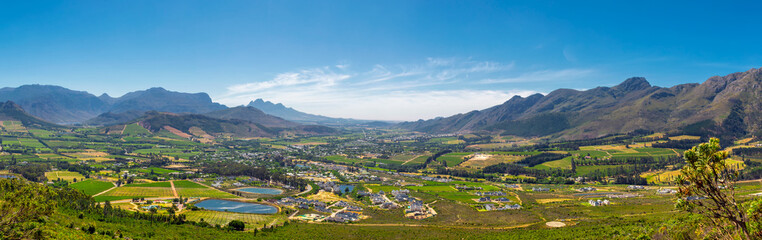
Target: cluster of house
493, 193
666, 191
401, 195
635, 187
329, 186
364, 178
491, 207
344, 216
489, 199
599, 202
379, 199
587, 189
511, 186
304, 204
540, 189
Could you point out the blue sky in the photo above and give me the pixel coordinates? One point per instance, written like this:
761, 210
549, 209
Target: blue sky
388, 60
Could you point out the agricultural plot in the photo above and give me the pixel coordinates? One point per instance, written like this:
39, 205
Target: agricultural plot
40, 133
91, 155
453, 159
30, 142
150, 185
564, 163
203, 192
489, 160
252, 221
135, 129
13, 126
64, 144
187, 184
64, 175
92, 187
146, 192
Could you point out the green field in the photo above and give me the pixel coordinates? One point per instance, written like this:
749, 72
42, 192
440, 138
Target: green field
564, 163
92, 187
187, 184
251, 221
64, 175
135, 129
153, 184
203, 192
453, 159
140, 192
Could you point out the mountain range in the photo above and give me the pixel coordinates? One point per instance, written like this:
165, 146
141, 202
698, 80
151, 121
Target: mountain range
64, 106
729, 104
293, 115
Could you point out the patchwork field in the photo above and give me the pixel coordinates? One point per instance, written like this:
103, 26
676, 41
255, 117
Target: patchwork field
490, 159
454, 159
64, 175
135, 129
252, 221
92, 187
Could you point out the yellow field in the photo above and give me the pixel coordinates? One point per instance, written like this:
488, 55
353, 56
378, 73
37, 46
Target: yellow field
64, 175
491, 160
552, 200
324, 196
91, 155
685, 137
660, 177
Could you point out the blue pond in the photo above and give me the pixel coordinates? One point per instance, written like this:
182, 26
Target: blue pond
7, 176
345, 187
271, 191
239, 207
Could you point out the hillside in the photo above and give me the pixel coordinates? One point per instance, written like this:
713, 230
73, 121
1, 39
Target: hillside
251, 114
54, 103
10, 111
159, 99
64, 106
280, 110
632, 105
198, 125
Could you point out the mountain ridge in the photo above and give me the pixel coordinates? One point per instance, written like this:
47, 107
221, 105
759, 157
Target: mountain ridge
629, 106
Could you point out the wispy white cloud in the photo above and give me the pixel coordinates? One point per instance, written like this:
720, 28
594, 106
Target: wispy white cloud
319, 77
433, 88
544, 76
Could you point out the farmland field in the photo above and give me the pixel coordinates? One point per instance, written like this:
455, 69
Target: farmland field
203, 192
187, 184
453, 159
151, 185
140, 192
92, 187
64, 175
251, 221
135, 129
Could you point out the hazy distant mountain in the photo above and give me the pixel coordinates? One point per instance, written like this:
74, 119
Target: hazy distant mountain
10, 111
60, 105
54, 103
291, 114
721, 105
159, 99
200, 125
251, 114
111, 118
